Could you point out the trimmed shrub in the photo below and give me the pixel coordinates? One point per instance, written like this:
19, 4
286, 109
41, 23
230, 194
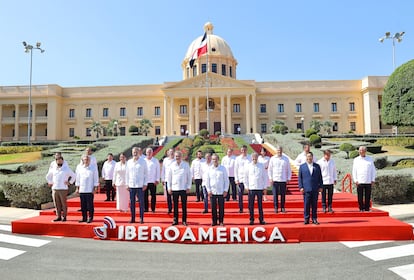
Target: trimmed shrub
347, 147
374, 149
204, 133
381, 162
310, 132
390, 189
404, 163
315, 139
353, 154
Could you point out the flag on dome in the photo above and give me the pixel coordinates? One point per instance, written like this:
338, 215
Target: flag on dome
202, 49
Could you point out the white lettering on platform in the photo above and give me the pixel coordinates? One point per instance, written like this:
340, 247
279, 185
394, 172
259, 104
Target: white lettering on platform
200, 234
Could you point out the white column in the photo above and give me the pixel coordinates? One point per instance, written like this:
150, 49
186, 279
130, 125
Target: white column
223, 115
165, 116
248, 117
229, 128
254, 113
190, 115
172, 115
16, 122
197, 115
33, 122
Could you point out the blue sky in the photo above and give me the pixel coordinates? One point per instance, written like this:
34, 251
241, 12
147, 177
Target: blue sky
125, 42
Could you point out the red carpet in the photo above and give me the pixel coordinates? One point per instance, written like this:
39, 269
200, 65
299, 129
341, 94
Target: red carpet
345, 224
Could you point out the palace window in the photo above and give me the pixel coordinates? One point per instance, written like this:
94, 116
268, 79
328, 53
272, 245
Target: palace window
71, 113
236, 108
280, 108
194, 70
157, 111
140, 111
223, 69
214, 67
263, 128
352, 106
262, 108
203, 68
298, 107
231, 72
105, 112
122, 112
334, 107
335, 127
183, 109
316, 107
88, 132
71, 132
157, 130
89, 112
352, 126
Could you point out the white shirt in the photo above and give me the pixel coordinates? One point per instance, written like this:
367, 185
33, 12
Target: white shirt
87, 178
196, 169
153, 168
217, 180
279, 169
179, 176
58, 176
363, 170
228, 162
165, 167
119, 178
240, 166
136, 173
301, 158
53, 164
108, 170
328, 170
205, 167
255, 176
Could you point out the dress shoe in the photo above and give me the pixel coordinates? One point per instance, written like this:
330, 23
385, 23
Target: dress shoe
221, 224
251, 223
324, 210
141, 221
306, 222
204, 212
131, 221
175, 223
82, 221
198, 200
240, 211
185, 224
90, 220
283, 210
330, 210
262, 222
64, 219
315, 222
213, 224
276, 211
57, 219
106, 200
169, 211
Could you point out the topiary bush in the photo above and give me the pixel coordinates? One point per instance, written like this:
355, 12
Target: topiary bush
310, 132
374, 149
315, 139
381, 162
389, 189
353, 154
347, 147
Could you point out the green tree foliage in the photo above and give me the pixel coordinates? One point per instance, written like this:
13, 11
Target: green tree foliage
279, 126
204, 133
97, 128
316, 125
398, 97
327, 126
133, 129
309, 132
315, 139
144, 127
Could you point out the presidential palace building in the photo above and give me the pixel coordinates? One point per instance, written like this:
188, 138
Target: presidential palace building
209, 96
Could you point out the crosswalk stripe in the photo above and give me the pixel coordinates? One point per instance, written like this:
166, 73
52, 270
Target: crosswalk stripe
22, 240
7, 254
405, 271
389, 253
355, 244
6, 228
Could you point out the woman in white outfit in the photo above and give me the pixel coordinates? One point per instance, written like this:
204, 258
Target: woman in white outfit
119, 181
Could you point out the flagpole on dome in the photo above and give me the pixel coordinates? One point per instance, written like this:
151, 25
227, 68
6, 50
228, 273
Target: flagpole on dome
207, 86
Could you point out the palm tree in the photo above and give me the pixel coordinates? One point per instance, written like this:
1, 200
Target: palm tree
97, 128
144, 126
113, 127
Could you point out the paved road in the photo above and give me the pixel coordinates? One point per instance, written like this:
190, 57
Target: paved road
76, 258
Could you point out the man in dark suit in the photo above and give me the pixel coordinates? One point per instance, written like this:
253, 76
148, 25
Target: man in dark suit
310, 184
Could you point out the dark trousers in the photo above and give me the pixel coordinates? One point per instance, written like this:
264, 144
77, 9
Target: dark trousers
199, 194
241, 192
252, 195
327, 190
217, 199
183, 195
169, 198
133, 194
279, 188
110, 190
310, 199
233, 189
364, 189
205, 194
151, 188
86, 200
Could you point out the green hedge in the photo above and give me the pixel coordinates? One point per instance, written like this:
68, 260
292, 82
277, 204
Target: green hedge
389, 189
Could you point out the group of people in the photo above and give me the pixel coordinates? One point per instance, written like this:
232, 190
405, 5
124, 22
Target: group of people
134, 180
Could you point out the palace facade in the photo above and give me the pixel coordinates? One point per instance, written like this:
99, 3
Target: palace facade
209, 96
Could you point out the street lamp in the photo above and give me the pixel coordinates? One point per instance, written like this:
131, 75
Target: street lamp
396, 37
115, 128
302, 119
29, 48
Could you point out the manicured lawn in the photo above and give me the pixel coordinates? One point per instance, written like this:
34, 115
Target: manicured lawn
19, 158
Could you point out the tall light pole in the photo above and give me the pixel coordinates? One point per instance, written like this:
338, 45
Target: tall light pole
396, 37
29, 49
